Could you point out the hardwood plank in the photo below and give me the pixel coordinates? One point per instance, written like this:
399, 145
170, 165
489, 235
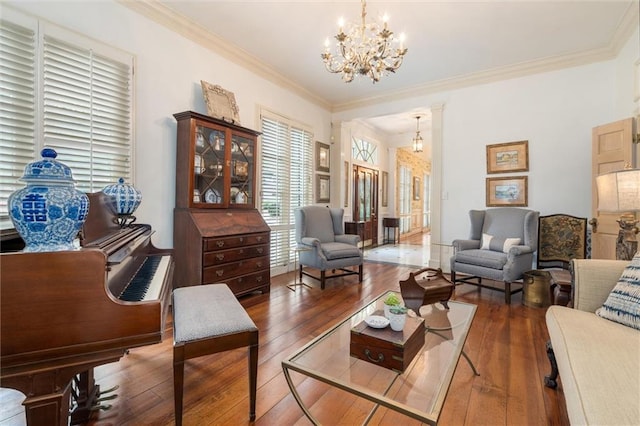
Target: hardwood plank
506, 344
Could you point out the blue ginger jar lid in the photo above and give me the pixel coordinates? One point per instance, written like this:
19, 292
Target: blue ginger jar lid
48, 169
127, 197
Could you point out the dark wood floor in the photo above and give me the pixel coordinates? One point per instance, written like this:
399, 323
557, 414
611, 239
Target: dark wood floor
506, 343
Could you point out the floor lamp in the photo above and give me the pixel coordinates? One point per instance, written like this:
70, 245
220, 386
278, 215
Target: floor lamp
619, 191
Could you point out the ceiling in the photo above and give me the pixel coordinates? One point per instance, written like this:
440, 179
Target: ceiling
450, 42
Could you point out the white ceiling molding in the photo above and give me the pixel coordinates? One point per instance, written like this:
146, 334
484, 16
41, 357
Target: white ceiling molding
194, 32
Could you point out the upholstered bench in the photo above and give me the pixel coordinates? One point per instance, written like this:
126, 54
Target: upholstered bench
208, 319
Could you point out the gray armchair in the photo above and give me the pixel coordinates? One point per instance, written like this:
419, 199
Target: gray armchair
322, 231
500, 247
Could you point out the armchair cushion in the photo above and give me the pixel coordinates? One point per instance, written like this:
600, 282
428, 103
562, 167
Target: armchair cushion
489, 242
623, 303
339, 250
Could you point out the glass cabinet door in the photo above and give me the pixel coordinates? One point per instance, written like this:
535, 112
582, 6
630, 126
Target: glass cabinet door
242, 170
208, 166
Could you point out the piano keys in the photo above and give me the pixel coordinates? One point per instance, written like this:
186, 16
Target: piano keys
63, 313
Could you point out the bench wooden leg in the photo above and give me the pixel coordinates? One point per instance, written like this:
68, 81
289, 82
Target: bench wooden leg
178, 382
253, 376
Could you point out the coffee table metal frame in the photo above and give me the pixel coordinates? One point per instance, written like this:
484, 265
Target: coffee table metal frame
398, 383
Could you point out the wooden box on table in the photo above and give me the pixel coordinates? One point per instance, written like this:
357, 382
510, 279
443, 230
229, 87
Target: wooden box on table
387, 348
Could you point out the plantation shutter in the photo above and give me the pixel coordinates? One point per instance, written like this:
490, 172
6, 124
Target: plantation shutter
286, 170
87, 113
17, 108
70, 93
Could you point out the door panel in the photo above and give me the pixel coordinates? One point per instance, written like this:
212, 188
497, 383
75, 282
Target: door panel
612, 149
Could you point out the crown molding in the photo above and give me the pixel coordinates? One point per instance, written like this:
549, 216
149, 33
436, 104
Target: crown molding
187, 28
175, 22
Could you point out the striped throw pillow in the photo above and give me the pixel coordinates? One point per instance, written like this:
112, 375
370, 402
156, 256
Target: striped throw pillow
623, 303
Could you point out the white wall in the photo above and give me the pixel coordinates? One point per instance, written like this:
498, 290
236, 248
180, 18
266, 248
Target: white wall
554, 111
169, 68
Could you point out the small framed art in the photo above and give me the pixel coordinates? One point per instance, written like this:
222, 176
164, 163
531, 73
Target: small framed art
220, 103
508, 157
385, 189
508, 191
322, 157
323, 189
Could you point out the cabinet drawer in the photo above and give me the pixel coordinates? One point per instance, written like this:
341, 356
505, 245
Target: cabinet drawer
217, 273
211, 244
251, 282
225, 256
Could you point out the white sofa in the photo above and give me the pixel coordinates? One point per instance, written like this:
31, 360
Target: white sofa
598, 360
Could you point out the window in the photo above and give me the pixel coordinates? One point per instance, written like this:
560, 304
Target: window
65, 92
286, 172
426, 195
364, 151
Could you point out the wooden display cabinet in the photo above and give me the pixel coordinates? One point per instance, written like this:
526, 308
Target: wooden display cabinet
219, 236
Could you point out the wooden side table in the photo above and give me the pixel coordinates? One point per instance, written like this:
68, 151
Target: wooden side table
391, 223
355, 228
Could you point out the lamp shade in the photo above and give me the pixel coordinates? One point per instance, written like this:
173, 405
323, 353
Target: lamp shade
619, 191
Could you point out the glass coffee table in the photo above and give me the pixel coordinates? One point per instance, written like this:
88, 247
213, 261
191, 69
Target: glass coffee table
418, 392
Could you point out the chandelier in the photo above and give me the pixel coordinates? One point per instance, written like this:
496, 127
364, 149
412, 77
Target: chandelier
365, 49
417, 141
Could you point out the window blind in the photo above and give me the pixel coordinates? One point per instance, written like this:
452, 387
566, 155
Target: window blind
67, 92
286, 171
17, 108
87, 112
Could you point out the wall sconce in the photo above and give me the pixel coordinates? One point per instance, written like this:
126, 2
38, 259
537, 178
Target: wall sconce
619, 191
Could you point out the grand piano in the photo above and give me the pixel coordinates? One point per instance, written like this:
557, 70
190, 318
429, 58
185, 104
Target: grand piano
64, 313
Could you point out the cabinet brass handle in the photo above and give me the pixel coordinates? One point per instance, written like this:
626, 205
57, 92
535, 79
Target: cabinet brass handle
241, 251
220, 272
220, 256
259, 264
367, 352
220, 243
259, 250
259, 239
259, 279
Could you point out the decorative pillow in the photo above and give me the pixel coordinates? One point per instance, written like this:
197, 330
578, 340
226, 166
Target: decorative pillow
623, 303
489, 242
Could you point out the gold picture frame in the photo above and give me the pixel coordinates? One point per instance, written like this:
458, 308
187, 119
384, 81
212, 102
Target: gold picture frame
220, 103
508, 191
508, 157
323, 160
323, 189
385, 189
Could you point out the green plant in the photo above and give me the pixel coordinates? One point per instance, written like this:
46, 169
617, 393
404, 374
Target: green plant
392, 299
398, 310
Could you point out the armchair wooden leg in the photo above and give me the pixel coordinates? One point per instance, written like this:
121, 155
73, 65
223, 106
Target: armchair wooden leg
507, 293
322, 277
360, 272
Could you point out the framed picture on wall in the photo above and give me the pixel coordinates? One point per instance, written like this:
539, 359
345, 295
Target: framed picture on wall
508, 157
416, 188
220, 103
508, 191
323, 189
322, 157
385, 189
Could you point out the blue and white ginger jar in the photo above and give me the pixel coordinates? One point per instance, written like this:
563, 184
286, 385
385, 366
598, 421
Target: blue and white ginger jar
49, 212
127, 197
